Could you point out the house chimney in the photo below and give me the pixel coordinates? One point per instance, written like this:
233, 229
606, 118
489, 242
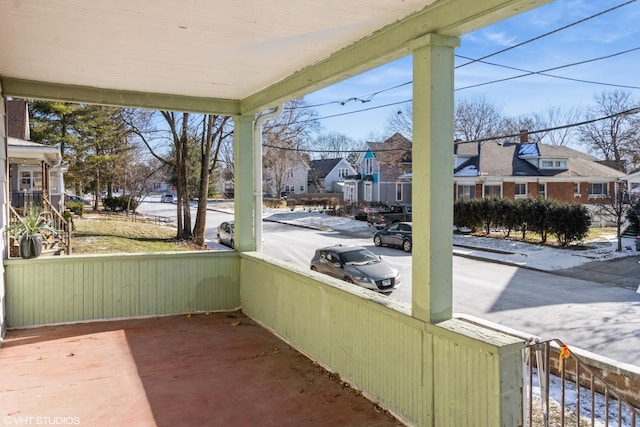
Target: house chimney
524, 136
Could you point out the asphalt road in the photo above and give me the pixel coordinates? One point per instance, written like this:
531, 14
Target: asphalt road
593, 307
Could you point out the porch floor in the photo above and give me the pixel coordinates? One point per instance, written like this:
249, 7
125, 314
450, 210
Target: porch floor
220, 369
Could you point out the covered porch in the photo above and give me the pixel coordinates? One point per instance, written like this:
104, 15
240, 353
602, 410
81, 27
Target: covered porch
420, 363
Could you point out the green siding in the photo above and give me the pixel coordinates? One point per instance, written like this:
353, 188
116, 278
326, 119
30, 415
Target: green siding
52, 290
454, 373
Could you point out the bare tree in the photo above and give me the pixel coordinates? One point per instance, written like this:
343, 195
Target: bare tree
172, 151
476, 119
615, 139
615, 207
555, 117
214, 132
401, 121
519, 125
285, 140
333, 145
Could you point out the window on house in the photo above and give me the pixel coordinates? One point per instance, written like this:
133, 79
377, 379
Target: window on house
302, 188
576, 188
542, 190
492, 190
598, 189
37, 181
521, 189
398, 192
466, 192
25, 180
554, 164
290, 174
368, 166
342, 172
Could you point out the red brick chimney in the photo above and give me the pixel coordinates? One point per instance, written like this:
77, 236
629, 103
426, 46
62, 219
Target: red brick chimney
524, 136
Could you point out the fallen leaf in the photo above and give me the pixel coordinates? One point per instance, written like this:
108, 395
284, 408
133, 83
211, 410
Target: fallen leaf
235, 323
188, 315
70, 354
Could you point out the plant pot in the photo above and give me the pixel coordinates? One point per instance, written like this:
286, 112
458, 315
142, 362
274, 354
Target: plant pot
30, 247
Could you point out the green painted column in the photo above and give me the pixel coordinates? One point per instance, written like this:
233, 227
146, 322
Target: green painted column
244, 159
432, 172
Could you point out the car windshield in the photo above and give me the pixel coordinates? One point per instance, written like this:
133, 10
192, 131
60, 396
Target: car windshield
359, 257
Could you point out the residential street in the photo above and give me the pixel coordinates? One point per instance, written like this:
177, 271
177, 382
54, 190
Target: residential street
580, 305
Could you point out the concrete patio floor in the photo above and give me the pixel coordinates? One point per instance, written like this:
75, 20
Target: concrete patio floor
220, 369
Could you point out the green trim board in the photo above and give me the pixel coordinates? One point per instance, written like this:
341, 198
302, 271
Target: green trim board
28, 89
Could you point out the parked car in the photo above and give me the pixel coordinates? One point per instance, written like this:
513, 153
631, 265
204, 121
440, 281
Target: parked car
397, 235
167, 198
225, 234
356, 265
71, 198
393, 214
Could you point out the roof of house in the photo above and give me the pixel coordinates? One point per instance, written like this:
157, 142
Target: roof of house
396, 149
321, 168
27, 152
515, 159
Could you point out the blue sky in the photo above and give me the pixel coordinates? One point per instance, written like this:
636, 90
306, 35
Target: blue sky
607, 34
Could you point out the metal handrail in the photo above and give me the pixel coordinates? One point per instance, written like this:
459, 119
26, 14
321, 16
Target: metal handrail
538, 352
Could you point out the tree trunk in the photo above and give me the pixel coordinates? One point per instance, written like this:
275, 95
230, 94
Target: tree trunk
182, 154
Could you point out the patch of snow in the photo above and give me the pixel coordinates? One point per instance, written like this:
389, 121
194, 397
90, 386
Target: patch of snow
470, 170
504, 250
528, 150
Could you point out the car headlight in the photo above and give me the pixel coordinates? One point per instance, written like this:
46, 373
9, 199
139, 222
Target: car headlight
362, 279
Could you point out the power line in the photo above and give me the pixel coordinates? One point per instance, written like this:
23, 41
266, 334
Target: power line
369, 97
630, 111
542, 72
547, 33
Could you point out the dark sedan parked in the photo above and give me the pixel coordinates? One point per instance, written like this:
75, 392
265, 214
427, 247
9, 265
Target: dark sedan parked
397, 235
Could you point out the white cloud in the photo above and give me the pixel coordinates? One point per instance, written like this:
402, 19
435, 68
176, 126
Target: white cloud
500, 38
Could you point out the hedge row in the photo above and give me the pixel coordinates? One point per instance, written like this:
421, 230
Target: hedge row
568, 222
123, 203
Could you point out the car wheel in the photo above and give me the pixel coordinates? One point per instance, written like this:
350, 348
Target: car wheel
406, 245
349, 280
377, 241
313, 268
220, 239
232, 244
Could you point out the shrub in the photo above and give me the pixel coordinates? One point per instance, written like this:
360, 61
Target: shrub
569, 222
109, 203
124, 203
75, 207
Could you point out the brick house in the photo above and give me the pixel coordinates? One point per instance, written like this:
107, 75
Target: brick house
525, 169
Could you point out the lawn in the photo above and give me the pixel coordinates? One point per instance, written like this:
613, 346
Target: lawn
113, 233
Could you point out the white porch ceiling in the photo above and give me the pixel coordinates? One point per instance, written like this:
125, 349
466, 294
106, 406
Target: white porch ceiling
234, 54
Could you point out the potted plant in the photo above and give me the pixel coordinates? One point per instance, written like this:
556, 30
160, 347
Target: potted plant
29, 233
